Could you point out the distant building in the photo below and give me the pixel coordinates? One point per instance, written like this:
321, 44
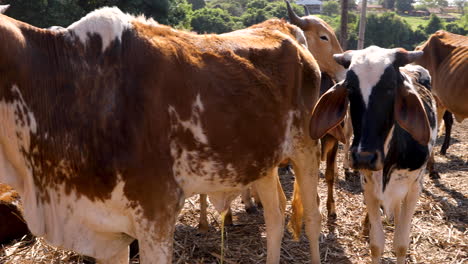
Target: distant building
375, 8
314, 6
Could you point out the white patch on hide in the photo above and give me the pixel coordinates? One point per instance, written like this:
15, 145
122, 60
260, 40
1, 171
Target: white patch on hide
287, 145
108, 22
194, 171
18, 123
398, 186
94, 228
194, 124
369, 64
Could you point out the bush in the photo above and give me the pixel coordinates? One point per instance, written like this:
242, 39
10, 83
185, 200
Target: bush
330, 8
456, 29
212, 20
434, 24
388, 30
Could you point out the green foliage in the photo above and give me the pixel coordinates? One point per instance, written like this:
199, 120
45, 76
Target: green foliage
234, 7
434, 24
460, 5
46, 13
389, 4
197, 4
212, 20
331, 7
434, 3
387, 30
404, 5
254, 16
180, 14
257, 4
456, 28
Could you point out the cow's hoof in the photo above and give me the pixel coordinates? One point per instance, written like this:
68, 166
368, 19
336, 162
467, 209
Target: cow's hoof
434, 175
251, 210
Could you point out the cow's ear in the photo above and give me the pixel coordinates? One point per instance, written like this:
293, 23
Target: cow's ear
344, 59
3, 8
329, 111
403, 57
411, 116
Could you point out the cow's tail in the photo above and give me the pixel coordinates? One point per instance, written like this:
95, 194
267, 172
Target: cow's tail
295, 223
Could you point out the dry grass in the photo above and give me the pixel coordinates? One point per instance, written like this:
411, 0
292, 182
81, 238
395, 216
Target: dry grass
439, 232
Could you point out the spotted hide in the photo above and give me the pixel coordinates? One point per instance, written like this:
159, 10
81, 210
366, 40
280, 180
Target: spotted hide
393, 117
109, 124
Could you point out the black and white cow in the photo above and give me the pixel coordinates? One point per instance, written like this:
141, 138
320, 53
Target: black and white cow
394, 124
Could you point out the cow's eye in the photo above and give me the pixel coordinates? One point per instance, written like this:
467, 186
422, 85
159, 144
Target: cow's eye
324, 38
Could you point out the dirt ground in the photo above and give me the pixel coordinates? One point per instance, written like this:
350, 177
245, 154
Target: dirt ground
439, 231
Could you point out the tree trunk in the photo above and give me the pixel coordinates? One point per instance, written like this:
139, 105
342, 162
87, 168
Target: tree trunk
344, 24
362, 25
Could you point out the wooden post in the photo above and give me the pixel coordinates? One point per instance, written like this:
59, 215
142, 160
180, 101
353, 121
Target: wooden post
362, 25
344, 25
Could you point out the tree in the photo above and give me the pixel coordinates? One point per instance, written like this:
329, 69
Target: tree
197, 4
461, 5
388, 4
388, 30
330, 8
456, 28
212, 20
180, 14
404, 5
45, 13
434, 3
254, 16
434, 24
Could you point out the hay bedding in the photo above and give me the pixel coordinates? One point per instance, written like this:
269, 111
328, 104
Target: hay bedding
439, 232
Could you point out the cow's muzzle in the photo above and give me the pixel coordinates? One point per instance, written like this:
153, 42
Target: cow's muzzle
366, 160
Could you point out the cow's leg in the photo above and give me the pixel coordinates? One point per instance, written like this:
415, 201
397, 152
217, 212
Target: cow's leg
448, 121
122, 257
203, 222
403, 224
372, 185
330, 178
306, 164
274, 219
430, 164
156, 234
247, 200
281, 196
433, 173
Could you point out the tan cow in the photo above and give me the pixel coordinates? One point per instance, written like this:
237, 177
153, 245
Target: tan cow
322, 43
108, 125
446, 58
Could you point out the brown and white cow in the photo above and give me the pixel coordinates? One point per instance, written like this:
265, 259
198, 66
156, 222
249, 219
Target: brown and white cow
109, 124
393, 115
322, 43
446, 58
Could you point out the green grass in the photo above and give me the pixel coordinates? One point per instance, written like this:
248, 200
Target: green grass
414, 21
